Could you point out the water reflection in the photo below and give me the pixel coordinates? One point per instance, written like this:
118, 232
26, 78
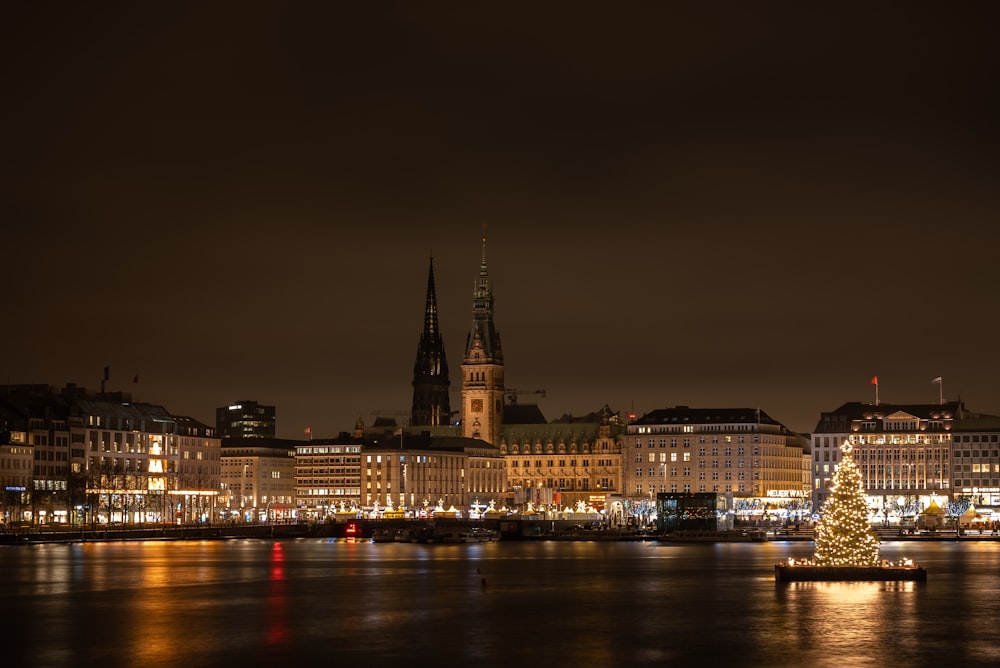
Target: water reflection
500, 604
276, 603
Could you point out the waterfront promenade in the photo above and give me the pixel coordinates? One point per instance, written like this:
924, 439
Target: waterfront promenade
507, 529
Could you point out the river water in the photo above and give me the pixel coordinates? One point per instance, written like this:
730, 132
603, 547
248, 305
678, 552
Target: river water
511, 603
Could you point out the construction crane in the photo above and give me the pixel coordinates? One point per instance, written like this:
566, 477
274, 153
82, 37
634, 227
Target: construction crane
512, 393
381, 413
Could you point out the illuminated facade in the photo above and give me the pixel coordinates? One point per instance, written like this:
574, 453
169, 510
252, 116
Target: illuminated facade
910, 455
198, 471
37, 418
15, 476
327, 475
902, 451
562, 463
976, 462
258, 479
100, 458
245, 419
740, 451
420, 472
132, 461
482, 367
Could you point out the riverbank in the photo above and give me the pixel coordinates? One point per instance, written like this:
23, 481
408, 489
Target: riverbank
507, 530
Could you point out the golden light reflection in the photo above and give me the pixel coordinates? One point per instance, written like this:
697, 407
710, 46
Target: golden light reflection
841, 593
836, 620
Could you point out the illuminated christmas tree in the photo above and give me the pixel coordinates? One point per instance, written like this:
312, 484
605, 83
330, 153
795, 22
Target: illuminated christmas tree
843, 536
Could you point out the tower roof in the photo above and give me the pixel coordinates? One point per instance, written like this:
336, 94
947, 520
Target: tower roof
430, 370
483, 342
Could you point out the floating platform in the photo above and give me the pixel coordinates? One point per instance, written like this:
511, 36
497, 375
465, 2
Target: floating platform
784, 573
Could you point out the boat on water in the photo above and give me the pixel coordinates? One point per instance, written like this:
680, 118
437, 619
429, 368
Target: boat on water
398, 535
474, 535
434, 535
733, 536
383, 535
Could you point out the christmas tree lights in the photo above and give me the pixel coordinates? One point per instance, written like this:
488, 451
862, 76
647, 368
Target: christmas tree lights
843, 535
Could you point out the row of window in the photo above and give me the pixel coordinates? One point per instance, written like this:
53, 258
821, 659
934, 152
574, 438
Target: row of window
686, 442
550, 463
565, 484
686, 488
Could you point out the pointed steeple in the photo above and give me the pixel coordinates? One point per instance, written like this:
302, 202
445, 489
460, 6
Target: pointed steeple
430, 371
431, 329
483, 342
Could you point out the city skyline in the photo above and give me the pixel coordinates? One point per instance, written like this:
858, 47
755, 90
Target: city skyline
751, 208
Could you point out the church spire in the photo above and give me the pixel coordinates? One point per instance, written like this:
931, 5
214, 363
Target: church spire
482, 368
430, 371
431, 328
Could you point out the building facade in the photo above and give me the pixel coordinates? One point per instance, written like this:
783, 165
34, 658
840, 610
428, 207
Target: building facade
740, 451
421, 473
258, 480
912, 455
16, 477
327, 476
245, 419
103, 459
199, 470
561, 464
976, 463
902, 450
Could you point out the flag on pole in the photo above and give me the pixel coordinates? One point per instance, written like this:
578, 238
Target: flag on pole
874, 381
398, 432
308, 430
937, 380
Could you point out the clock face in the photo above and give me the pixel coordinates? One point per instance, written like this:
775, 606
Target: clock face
477, 405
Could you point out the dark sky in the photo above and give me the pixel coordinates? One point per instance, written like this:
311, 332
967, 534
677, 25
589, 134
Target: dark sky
737, 204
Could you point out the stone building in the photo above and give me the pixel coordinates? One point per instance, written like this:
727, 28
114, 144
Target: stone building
740, 451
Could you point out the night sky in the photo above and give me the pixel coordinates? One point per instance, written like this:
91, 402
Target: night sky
734, 205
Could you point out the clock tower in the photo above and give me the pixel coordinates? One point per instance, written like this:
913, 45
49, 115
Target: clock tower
482, 368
